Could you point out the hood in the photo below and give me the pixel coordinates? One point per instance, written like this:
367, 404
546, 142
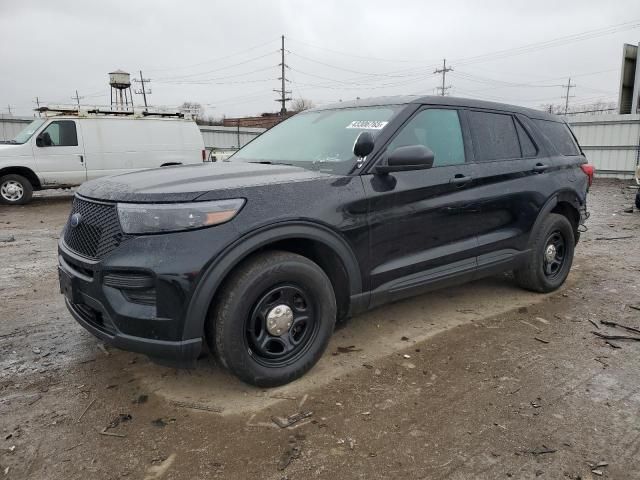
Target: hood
186, 183
14, 150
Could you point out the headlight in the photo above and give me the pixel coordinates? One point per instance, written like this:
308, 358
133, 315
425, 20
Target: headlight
140, 218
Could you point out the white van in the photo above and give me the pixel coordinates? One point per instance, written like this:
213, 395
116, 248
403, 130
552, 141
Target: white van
67, 149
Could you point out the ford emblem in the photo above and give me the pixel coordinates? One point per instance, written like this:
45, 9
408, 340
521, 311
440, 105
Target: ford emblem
75, 220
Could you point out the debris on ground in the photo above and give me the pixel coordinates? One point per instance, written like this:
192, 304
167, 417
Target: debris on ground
616, 337
595, 324
85, 410
141, 399
7, 238
284, 422
615, 238
103, 349
155, 472
292, 452
615, 324
542, 450
541, 340
198, 406
349, 349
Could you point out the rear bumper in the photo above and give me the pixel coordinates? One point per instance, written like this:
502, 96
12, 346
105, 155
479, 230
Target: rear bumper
181, 353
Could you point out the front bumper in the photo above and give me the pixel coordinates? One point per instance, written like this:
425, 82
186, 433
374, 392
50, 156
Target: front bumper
154, 328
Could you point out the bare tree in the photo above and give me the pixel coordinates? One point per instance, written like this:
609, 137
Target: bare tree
598, 106
301, 104
194, 108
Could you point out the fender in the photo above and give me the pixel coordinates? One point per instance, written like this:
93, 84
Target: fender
561, 196
251, 242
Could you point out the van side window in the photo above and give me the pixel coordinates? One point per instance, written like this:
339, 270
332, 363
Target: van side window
494, 136
61, 133
558, 133
526, 144
437, 129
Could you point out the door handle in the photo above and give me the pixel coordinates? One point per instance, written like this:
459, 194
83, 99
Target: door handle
540, 167
460, 179
81, 158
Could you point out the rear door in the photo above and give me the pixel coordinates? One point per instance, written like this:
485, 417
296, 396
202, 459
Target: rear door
422, 225
513, 179
59, 153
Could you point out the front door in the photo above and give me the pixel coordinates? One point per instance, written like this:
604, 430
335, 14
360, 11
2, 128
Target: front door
59, 154
422, 223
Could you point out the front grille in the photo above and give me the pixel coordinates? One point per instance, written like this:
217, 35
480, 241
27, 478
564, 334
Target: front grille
98, 232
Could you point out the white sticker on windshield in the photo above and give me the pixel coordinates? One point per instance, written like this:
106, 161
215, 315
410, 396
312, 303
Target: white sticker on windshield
367, 124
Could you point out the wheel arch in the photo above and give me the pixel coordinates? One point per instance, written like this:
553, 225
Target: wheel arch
316, 242
26, 172
566, 203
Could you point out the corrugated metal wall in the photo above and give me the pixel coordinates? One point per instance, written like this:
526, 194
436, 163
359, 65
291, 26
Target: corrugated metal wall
218, 138
610, 142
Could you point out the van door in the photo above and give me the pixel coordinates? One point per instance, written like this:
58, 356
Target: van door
59, 154
422, 229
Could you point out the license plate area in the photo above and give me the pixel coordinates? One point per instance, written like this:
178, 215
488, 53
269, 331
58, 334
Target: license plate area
66, 286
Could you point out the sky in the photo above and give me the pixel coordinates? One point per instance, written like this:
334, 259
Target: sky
224, 54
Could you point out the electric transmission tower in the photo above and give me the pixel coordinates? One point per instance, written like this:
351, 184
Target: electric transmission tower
143, 90
443, 89
566, 96
283, 91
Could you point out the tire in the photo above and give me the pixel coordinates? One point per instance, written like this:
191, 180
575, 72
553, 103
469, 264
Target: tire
15, 190
296, 295
638, 200
541, 273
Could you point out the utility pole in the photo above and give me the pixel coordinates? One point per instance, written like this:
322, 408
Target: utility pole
443, 89
77, 99
283, 92
568, 86
143, 90
38, 104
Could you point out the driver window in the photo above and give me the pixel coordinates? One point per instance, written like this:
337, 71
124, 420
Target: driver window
61, 133
439, 130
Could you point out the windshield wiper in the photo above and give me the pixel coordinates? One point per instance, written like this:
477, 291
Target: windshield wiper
269, 162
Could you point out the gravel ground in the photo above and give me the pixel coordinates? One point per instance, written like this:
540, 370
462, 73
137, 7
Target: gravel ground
479, 381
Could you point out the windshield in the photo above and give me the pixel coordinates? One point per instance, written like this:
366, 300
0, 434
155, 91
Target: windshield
26, 133
317, 140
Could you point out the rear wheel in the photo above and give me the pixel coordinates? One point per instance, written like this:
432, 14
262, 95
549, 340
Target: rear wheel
15, 190
551, 255
273, 319
638, 200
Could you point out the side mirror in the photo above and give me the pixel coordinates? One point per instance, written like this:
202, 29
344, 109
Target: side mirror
39, 141
363, 145
402, 159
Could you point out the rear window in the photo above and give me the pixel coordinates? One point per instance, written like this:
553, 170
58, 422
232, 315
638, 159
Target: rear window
559, 134
494, 136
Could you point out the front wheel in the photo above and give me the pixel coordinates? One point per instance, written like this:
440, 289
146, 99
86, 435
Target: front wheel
273, 318
550, 257
15, 190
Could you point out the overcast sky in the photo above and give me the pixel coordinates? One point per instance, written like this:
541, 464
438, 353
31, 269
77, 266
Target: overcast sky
224, 54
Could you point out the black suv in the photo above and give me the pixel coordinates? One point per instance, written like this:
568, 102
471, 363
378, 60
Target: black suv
332, 212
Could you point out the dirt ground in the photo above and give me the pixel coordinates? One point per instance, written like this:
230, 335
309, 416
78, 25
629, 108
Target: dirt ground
482, 381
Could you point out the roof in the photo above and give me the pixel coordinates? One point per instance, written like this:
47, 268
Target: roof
440, 100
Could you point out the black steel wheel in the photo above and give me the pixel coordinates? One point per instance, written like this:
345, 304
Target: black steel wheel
281, 325
549, 256
554, 254
272, 319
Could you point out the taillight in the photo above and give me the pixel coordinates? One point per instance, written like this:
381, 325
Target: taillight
204, 154
589, 170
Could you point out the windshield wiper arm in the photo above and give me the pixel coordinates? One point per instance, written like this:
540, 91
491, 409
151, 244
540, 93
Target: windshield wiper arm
269, 162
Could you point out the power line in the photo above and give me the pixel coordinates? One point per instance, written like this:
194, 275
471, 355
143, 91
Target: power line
443, 89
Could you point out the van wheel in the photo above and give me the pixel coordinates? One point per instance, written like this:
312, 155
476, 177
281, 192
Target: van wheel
550, 257
273, 318
15, 190
638, 200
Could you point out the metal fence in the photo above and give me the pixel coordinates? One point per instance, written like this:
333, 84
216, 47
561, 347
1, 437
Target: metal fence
610, 142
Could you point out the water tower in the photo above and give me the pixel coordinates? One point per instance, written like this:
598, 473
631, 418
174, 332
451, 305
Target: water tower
120, 82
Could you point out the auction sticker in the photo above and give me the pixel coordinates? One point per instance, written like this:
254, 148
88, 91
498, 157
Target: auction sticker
367, 124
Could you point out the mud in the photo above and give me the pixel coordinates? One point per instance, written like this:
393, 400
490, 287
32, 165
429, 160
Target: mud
455, 384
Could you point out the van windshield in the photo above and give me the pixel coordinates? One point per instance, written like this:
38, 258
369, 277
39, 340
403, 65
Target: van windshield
317, 140
27, 132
